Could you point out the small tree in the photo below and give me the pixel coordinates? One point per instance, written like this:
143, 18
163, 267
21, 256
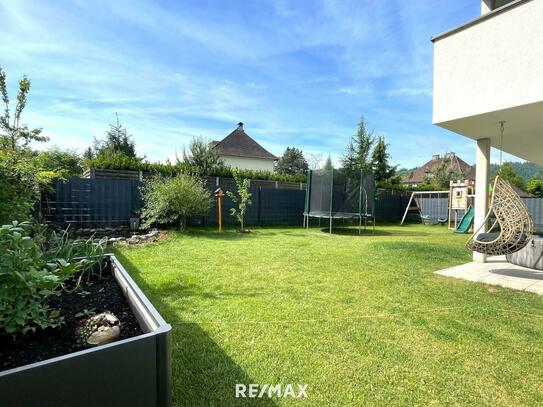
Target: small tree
535, 187
357, 157
314, 160
292, 162
20, 177
507, 172
117, 142
174, 200
202, 156
242, 199
380, 161
328, 163
13, 134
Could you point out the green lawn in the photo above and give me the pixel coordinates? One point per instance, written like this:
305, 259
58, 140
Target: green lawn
361, 319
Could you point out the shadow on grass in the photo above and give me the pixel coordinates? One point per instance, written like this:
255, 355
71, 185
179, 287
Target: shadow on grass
353, 231
202, 373
233, 234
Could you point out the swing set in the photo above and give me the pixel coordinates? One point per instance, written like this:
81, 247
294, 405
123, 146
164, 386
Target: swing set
431, 207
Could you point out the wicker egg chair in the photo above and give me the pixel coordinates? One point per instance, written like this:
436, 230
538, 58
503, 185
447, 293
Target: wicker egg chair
512, 228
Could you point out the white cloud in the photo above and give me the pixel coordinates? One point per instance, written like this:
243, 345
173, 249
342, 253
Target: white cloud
410, 92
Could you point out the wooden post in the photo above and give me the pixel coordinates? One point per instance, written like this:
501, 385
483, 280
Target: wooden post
219, 194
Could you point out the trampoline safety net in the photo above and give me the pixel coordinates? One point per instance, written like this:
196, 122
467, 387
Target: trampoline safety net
339, 194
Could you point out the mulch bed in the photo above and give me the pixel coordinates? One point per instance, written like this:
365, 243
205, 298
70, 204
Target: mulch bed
98, 295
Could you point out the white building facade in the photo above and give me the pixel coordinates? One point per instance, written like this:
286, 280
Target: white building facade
489, 71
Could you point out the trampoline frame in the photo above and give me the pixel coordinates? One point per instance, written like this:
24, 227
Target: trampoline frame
362, 215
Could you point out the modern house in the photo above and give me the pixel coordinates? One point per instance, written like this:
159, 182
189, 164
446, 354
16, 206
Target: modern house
241, 151
487, 72
422, 174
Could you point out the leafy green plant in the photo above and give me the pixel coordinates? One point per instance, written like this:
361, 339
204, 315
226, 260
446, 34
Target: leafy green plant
32, 269
20, 177
27, 280
13, 134
173, 200
535, 187
242, 198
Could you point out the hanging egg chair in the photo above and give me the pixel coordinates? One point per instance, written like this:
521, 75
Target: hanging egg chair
512, 226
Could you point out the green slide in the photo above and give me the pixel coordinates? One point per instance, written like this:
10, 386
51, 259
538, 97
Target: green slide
466, 221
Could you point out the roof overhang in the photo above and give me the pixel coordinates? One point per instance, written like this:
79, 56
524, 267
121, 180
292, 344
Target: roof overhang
523, 135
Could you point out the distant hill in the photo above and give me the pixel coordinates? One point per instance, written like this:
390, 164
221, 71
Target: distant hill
525, 170
404, 172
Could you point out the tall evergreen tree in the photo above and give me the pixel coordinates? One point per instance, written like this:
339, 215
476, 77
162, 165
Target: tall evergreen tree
357, 157
328, 163
292, 162
117, 142
88, 154
380, 161
202, 156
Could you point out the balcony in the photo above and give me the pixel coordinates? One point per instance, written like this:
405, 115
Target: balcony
491, 70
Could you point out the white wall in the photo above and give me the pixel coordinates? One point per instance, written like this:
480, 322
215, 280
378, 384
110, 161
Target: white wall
492, 65
246, 163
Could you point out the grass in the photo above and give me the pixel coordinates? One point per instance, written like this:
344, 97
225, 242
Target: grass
361, 319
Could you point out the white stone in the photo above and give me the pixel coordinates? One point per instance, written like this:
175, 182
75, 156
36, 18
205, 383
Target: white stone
104, 334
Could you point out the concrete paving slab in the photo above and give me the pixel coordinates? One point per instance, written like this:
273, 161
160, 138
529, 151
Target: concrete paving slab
498, 271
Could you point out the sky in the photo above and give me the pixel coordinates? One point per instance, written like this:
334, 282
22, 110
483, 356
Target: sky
298, 73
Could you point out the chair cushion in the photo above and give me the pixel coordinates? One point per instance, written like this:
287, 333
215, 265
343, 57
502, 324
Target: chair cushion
487, 237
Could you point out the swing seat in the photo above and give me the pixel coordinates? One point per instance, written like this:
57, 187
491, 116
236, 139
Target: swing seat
487, 237
513, 226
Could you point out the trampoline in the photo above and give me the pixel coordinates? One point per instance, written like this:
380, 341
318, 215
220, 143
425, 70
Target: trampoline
337, 194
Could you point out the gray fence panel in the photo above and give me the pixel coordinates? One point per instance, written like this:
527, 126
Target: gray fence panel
535, 207
112, 202
92, 202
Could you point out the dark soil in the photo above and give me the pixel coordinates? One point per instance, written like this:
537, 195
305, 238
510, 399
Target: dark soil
98, 295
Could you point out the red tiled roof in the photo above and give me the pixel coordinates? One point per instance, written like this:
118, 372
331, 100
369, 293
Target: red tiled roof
419, 175
239, 144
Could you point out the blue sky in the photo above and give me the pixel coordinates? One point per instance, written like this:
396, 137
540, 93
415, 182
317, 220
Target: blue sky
296, 73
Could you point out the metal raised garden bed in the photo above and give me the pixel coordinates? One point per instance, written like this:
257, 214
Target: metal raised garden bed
130, 372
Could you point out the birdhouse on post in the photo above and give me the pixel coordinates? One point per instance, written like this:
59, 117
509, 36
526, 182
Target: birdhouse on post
219, 194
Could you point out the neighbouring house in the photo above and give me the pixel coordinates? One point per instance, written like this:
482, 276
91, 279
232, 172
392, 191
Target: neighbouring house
422, 174
487, 87
241, 151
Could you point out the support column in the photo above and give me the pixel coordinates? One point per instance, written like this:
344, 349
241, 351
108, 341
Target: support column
481, 189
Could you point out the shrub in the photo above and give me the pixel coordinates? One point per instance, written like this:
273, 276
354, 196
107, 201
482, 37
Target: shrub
173, 200
64, 163
19, 185
535, 187
32, 269
122, 162
243, 198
